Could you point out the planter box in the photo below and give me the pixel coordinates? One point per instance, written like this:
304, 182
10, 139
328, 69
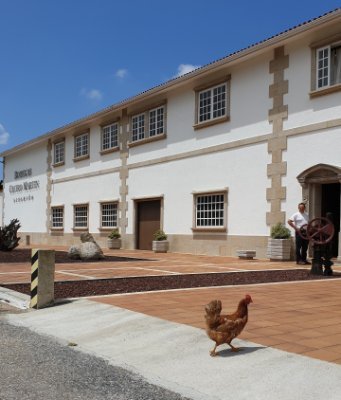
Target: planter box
160, 246
279, 249
114, 243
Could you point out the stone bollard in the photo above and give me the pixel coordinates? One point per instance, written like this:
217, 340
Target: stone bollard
42, 278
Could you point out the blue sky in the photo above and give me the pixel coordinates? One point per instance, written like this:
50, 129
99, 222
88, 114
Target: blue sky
61, 60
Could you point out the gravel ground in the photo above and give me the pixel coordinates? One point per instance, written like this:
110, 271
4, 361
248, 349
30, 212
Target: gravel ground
37, 367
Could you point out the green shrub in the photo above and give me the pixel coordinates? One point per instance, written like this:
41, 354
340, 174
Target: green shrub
279, 231
160, 235
114, 234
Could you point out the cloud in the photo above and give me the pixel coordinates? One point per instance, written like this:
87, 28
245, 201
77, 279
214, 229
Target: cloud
185, 69
4, 135
121, 73
92, 94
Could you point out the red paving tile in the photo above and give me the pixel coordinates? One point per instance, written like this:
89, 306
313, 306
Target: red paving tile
300, 317
292, 329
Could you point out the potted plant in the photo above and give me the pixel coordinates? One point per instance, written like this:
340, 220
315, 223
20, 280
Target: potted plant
114, 239
160, 242
279, 243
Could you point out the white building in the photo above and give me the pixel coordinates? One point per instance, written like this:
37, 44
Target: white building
215, 157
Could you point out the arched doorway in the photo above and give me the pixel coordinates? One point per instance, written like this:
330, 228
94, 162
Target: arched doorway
321, 188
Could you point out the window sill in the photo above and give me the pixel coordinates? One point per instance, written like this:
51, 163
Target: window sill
108, 151
56, 229
81, 158
211, 122
147, 140
107, 229
85, 229
58, 164
210, 230
325, 91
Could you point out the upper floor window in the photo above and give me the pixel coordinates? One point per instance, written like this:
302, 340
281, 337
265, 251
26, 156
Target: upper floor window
212, 103
59, 152
328, 66
109, 136
148, 124
138, 130
156, 121
82, 145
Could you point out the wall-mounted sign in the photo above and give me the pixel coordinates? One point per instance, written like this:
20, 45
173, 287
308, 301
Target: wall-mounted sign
24, 173
23, 186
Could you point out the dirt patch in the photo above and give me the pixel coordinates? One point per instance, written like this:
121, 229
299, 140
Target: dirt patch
96, 287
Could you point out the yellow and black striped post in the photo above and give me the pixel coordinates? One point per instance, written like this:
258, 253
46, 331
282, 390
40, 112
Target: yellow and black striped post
34, 278
42, 278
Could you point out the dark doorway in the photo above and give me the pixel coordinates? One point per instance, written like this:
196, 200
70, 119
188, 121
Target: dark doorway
331, 203
148, 222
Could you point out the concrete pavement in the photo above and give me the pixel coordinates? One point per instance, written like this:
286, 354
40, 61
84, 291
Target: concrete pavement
175, 356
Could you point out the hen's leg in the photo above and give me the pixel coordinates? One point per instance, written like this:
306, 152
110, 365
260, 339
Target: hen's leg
213, 352
235, 349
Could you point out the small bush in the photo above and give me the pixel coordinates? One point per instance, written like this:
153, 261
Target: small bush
160, 235
114, 234
279, 231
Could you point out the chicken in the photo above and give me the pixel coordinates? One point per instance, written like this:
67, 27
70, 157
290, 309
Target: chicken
224, 328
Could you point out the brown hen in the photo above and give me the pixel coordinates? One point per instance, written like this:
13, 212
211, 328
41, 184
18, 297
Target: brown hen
224, 328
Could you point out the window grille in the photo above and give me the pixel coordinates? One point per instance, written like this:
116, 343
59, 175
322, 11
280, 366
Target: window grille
109, 215
210, 210
81, 216
57, 217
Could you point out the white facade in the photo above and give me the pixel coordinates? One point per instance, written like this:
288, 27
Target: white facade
276, 143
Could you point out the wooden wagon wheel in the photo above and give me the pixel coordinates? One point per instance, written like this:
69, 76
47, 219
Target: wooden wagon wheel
320, 230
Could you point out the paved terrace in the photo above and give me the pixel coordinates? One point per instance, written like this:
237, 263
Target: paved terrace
298, 317
134, 263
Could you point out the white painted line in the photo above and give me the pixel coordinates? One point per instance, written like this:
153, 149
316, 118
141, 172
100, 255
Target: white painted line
120, 269
13, 273
72, 274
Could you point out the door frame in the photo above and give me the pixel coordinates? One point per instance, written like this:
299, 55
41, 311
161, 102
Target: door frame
311, 181
135, 213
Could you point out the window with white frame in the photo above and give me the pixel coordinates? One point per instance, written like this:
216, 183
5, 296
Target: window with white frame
109, 136
156, 120
109, 212
212, 103
59, 152
81, 212
82, 145
57, 217
138, 130
328, 66
210, 210
148, 124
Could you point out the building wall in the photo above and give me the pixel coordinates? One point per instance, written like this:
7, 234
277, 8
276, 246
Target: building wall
25, 198
276, 130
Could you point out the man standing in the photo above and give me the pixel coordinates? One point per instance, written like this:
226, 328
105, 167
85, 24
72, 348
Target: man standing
296, 221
